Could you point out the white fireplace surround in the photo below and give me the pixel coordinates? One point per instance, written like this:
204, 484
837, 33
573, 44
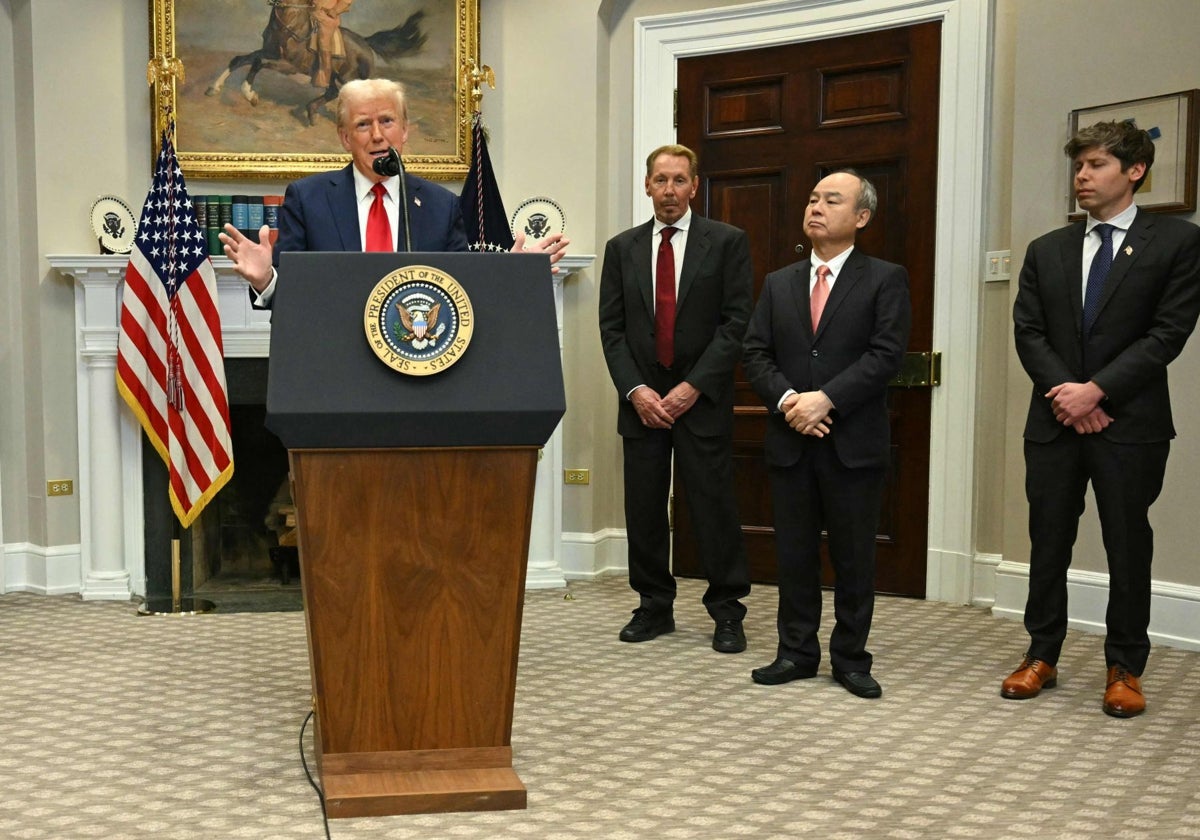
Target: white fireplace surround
112, 543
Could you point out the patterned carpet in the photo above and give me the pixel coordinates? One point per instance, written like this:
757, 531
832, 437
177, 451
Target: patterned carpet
117, 726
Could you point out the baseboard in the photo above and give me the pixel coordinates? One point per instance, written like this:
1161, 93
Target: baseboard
55, 570
589, 556
1174, 608
983, 579
947, 576
43, 570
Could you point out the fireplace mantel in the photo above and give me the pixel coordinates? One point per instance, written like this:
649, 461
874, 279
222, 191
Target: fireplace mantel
111, 514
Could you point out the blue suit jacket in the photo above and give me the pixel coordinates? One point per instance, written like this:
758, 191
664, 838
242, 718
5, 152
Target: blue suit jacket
320, 213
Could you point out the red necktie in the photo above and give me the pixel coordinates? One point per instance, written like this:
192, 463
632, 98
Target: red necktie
664, 300
379, 232
820, 294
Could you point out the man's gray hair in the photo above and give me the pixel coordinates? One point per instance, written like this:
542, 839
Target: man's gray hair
867, 197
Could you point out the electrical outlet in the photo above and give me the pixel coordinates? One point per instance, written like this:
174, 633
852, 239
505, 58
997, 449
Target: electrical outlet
997, 266
577, 476
60, 487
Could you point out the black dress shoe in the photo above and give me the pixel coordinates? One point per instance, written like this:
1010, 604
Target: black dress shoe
646, 625
781, 671
729, 637
859, 683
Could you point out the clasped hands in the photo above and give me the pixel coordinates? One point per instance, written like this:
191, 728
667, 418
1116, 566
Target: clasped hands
1077, 406
661, 412
808, 412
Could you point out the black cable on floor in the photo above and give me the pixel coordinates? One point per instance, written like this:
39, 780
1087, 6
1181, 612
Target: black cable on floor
315, 786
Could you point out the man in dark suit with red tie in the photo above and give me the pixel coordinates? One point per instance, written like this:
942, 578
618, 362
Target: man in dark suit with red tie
675, 293
1104, 305
827, 336
356, 208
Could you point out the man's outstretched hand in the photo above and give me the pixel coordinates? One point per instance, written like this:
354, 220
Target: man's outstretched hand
252, 260
555, 245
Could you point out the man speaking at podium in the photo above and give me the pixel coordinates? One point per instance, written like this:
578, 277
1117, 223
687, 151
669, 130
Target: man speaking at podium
371, 204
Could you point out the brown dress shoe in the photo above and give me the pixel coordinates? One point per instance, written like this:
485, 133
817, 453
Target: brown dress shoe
1031, 676
1123, 698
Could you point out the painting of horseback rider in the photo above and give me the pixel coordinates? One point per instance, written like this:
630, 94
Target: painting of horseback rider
306, 36
263, 78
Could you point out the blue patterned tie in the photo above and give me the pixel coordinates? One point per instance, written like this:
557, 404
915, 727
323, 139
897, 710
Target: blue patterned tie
1101, 263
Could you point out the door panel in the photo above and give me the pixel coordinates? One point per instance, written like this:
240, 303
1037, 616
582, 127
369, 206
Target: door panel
866, 101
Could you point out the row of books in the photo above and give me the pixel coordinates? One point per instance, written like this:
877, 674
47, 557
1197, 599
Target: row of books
247, 213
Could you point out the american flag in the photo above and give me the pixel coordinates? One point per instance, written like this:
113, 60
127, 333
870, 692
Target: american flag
169, 355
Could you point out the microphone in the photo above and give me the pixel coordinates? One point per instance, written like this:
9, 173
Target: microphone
387, 167
799, 248
390, 165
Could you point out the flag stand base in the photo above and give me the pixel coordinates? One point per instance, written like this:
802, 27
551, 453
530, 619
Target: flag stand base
168, 606
175, 605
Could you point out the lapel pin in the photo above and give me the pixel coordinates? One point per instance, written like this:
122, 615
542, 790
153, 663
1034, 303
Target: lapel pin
1129, 250
417, 200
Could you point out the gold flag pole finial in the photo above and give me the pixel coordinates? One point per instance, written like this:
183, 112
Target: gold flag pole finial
476, 76
161, 71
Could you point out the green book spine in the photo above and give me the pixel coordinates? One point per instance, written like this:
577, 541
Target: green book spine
224, 210
200, 208
213, 227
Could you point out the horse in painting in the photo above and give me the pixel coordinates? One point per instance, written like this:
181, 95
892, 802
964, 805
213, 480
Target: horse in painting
285, 50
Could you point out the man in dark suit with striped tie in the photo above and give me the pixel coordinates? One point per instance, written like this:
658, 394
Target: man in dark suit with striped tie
1104, 305
827, 336
675, 293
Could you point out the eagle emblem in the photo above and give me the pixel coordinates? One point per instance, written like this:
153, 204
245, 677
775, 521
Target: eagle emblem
420, 324
538, 225
418, 320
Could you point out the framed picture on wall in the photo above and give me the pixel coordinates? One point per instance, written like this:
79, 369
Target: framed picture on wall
259, 80
1171, 120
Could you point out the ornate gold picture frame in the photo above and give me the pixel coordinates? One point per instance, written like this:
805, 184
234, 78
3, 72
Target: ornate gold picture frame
245, 87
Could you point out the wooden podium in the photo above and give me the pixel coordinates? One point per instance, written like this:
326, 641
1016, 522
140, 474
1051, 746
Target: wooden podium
414, 499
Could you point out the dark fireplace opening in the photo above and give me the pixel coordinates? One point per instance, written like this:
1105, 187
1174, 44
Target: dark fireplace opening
237, 552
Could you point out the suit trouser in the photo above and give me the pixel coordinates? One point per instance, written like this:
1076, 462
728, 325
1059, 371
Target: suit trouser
816, 493
1126, 479
706, 472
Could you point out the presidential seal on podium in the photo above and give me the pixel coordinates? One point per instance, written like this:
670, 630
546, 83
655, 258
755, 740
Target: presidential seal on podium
418, 320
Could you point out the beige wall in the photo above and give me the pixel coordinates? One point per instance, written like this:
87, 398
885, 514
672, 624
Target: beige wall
1071, 54
21, 452
561, 124
10, 344
994, 321
545, 142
